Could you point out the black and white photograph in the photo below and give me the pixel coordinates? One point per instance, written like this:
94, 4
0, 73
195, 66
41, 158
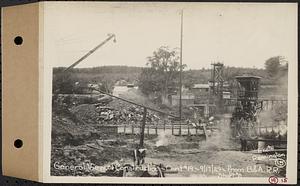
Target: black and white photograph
170, 90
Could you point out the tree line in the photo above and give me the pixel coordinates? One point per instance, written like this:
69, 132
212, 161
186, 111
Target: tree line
160, 77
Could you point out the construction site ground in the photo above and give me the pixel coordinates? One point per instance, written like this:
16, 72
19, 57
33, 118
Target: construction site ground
79, 142
217, 156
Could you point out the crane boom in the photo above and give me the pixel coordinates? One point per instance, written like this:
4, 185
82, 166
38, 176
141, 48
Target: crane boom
91, 51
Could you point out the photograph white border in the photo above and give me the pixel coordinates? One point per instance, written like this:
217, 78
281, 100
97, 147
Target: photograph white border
46, 112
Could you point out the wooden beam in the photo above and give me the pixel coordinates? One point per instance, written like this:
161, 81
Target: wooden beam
267, 140
137, 104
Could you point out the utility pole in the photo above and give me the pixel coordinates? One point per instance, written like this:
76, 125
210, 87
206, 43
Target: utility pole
180, 78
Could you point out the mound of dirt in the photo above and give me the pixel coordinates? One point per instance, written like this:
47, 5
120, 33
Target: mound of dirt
163, 148
66, 132
85, 155
86, 112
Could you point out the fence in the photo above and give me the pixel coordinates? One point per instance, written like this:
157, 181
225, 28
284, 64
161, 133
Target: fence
154, 129
265, 129
269, 104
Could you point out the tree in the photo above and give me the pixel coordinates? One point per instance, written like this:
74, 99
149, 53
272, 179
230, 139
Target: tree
272, 65
190, 78
106, 85
63, 84
161, 74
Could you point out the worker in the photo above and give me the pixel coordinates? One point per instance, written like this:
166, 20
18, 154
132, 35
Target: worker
243, 144
135, 156
142, 153
200, 121
139, 155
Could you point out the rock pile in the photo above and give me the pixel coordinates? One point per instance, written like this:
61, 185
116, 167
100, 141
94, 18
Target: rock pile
115, 112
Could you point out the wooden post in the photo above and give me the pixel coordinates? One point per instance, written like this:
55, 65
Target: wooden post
180, 129
128, 124
235, 130
172, 128
259, 130
249, 129
205, 133
125, 128
156, 128
164, 125
132, 129
143, 128
148, 130
188, 129
272, 104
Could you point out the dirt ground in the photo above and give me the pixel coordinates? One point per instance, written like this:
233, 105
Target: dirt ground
195, 157
187, 156
78, 146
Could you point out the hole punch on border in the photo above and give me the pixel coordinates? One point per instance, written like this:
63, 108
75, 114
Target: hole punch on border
18, 40
18, 143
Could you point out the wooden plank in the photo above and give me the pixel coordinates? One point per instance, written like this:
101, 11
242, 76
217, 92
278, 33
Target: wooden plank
205, 132
267, 140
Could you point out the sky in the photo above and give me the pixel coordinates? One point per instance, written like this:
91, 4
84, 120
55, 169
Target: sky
241, 35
